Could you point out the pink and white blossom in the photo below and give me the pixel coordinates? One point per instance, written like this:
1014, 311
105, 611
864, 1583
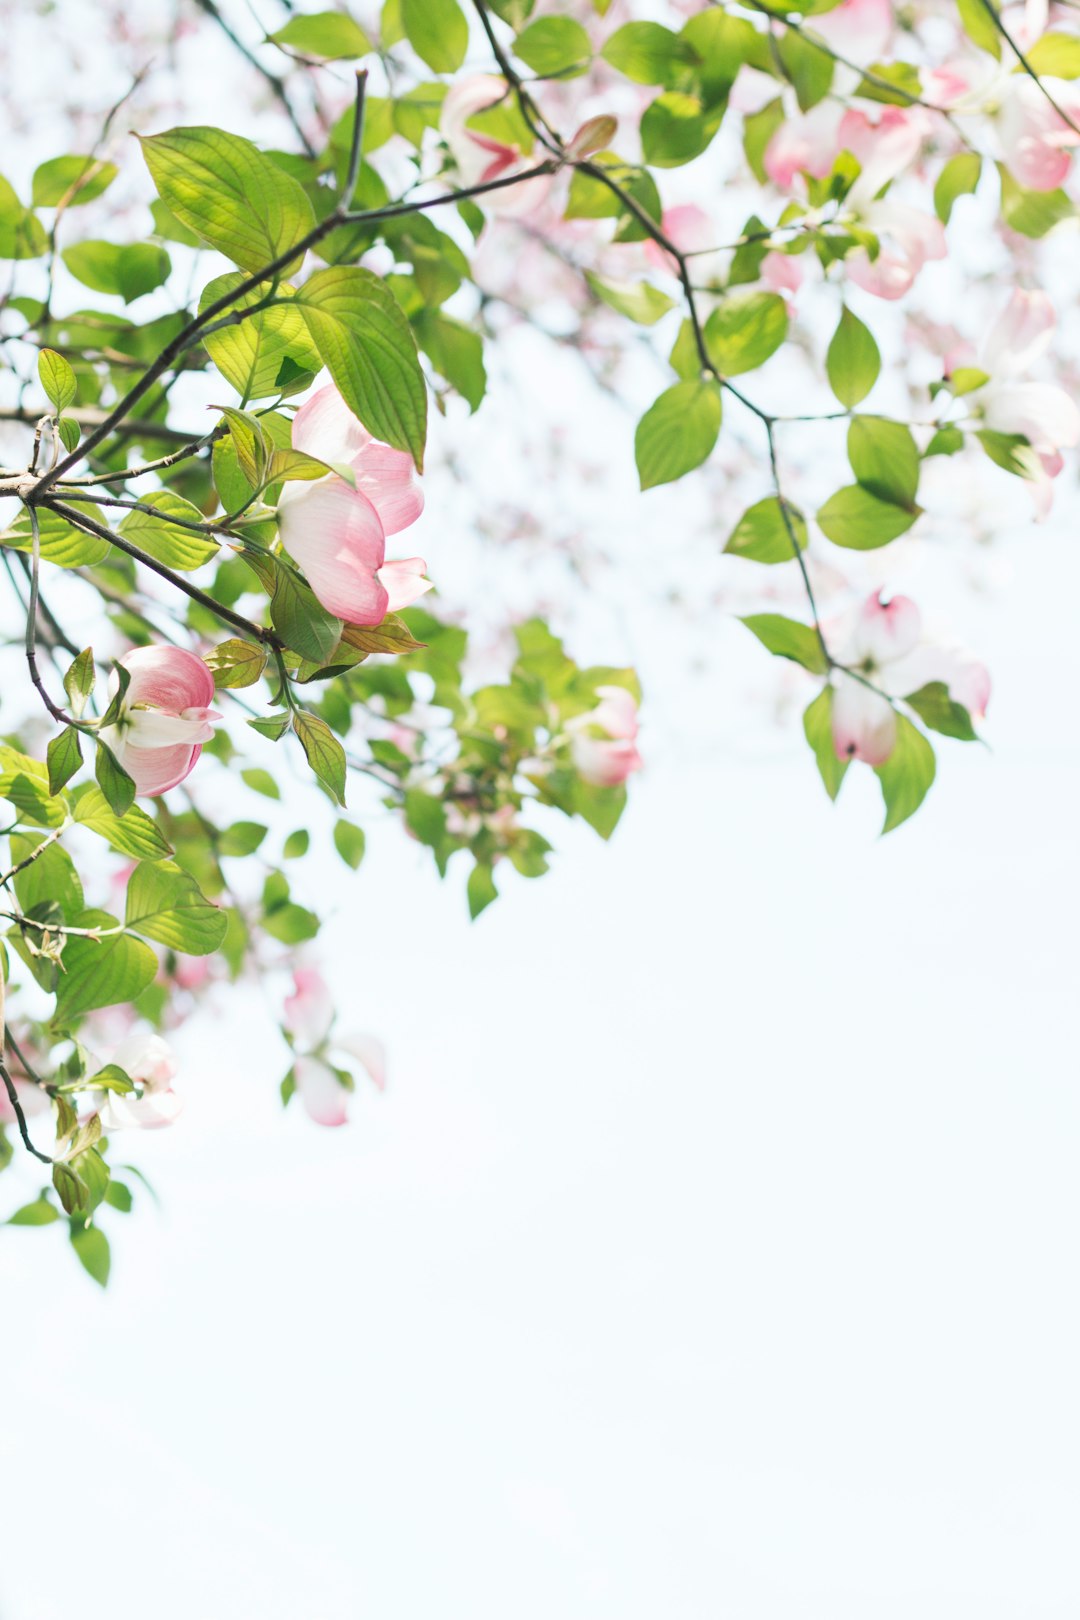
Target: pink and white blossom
1036, 141
884, 649
806, 143
479, 158
603, 742
164, 719
309, 1017
148, 1060
337, 532
859, 29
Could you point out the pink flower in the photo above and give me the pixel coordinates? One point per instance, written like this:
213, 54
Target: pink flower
1045, 414
885, 148
479, 158
309, 1016
782, 273
164, 719
884, 647
147, 1060
688, 228
309, 1011
603, 743
907, 238
859, 29
804, 144
1035, 140
337, 533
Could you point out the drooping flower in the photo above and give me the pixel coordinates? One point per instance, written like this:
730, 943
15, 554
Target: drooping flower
907, 237
883, 648
148, 1060
603, 742
479, 157
309, 1016
1036, 141
337, 533
1045, 414
164, 719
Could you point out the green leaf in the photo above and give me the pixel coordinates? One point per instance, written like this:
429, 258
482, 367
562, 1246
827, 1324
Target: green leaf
884, 458
979, 26
480, 890
61, 543
249, 441
22, 235
552, 45
236, 663
744, 330
24, 782
936, 709
675, 129
101, 973
296, 844
1032, 213
78, 179
39, 1213
148, 528
958, 177
260, 781
456, 351
1057, 55
273, 726
1006, 450
242, 838
677, 432
817, 724
763, 535
637, 300
166, 904
328, 36
166, 225
808, 68
300, 619
853, 360
135, 834
79, 681
907, 774
92, 1247
787, 638
228, 193
350, 843
437, 32
365, 341
945, 442
324, 753
64, 757
646, 52
51, 876
115, 783
57, 379
855, 518
250, 356
125, 272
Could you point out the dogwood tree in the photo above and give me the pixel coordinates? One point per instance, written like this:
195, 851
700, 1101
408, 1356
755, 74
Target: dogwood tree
758, 195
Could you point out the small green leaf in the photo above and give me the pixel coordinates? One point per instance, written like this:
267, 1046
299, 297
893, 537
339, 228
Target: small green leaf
57, 379
250, 354
300, 619
552, 46
296, 844
884, 458
135, 834
1032, 213
92, 1247
853, 360
64, 756
324, 753
327, 36
855, 518
637, 300
242, 838
78, 179
787, 638
744, 330
100, 973
936, 709
480, 890
646, 52
959, 177
907, 774
149, 528
437, 32
979, 26
166, 904
125, 272
677, 432
1056, 55
115, 783
675, 129
260, 781
817, 724
768, 532
79, 681
273, 726
39, 1213
350, 843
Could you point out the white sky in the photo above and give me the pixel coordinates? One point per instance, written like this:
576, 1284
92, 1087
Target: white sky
713, 1250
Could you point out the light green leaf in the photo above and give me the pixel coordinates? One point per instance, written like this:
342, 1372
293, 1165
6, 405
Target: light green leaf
22, 235
114, 782
855, 518
149, 529
437, 32
101, 973
328, 36
236, 663
125, 272
677, 432
57, 379
24, 783
365, 341
92, 1247
324, 753
456, 351
480, 890
763, 534
637, 300
675, 129
938, 710
350, 843
884, 458
79, 681
300, 619
135, 834
260, 781
646, 52
853, 360
958, 177
787, 638
229, 193
744, 330
1032, 213
979, 26
39, 1213
61, 543
1057, 55
553, 45
64, 757
817, 724
250, 355
165, 903
907, 775
79, 179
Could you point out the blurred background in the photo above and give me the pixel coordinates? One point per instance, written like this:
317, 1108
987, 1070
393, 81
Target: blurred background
712, 1250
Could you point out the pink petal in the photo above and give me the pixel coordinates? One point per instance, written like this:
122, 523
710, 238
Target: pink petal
885, 631
334, 533
309, 1011
617, 712
320, 1091
168, 678
1021, 335
603, 762
388, 478
688, 227
403, 582
863, 723
860, 29
806, 144
370, 1051
324, 427
156, 770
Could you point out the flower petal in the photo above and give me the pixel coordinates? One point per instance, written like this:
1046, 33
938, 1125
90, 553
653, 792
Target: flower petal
321, 1092
169, 678
885, 631
370, 1051
863, 722
403, 582
334, 533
